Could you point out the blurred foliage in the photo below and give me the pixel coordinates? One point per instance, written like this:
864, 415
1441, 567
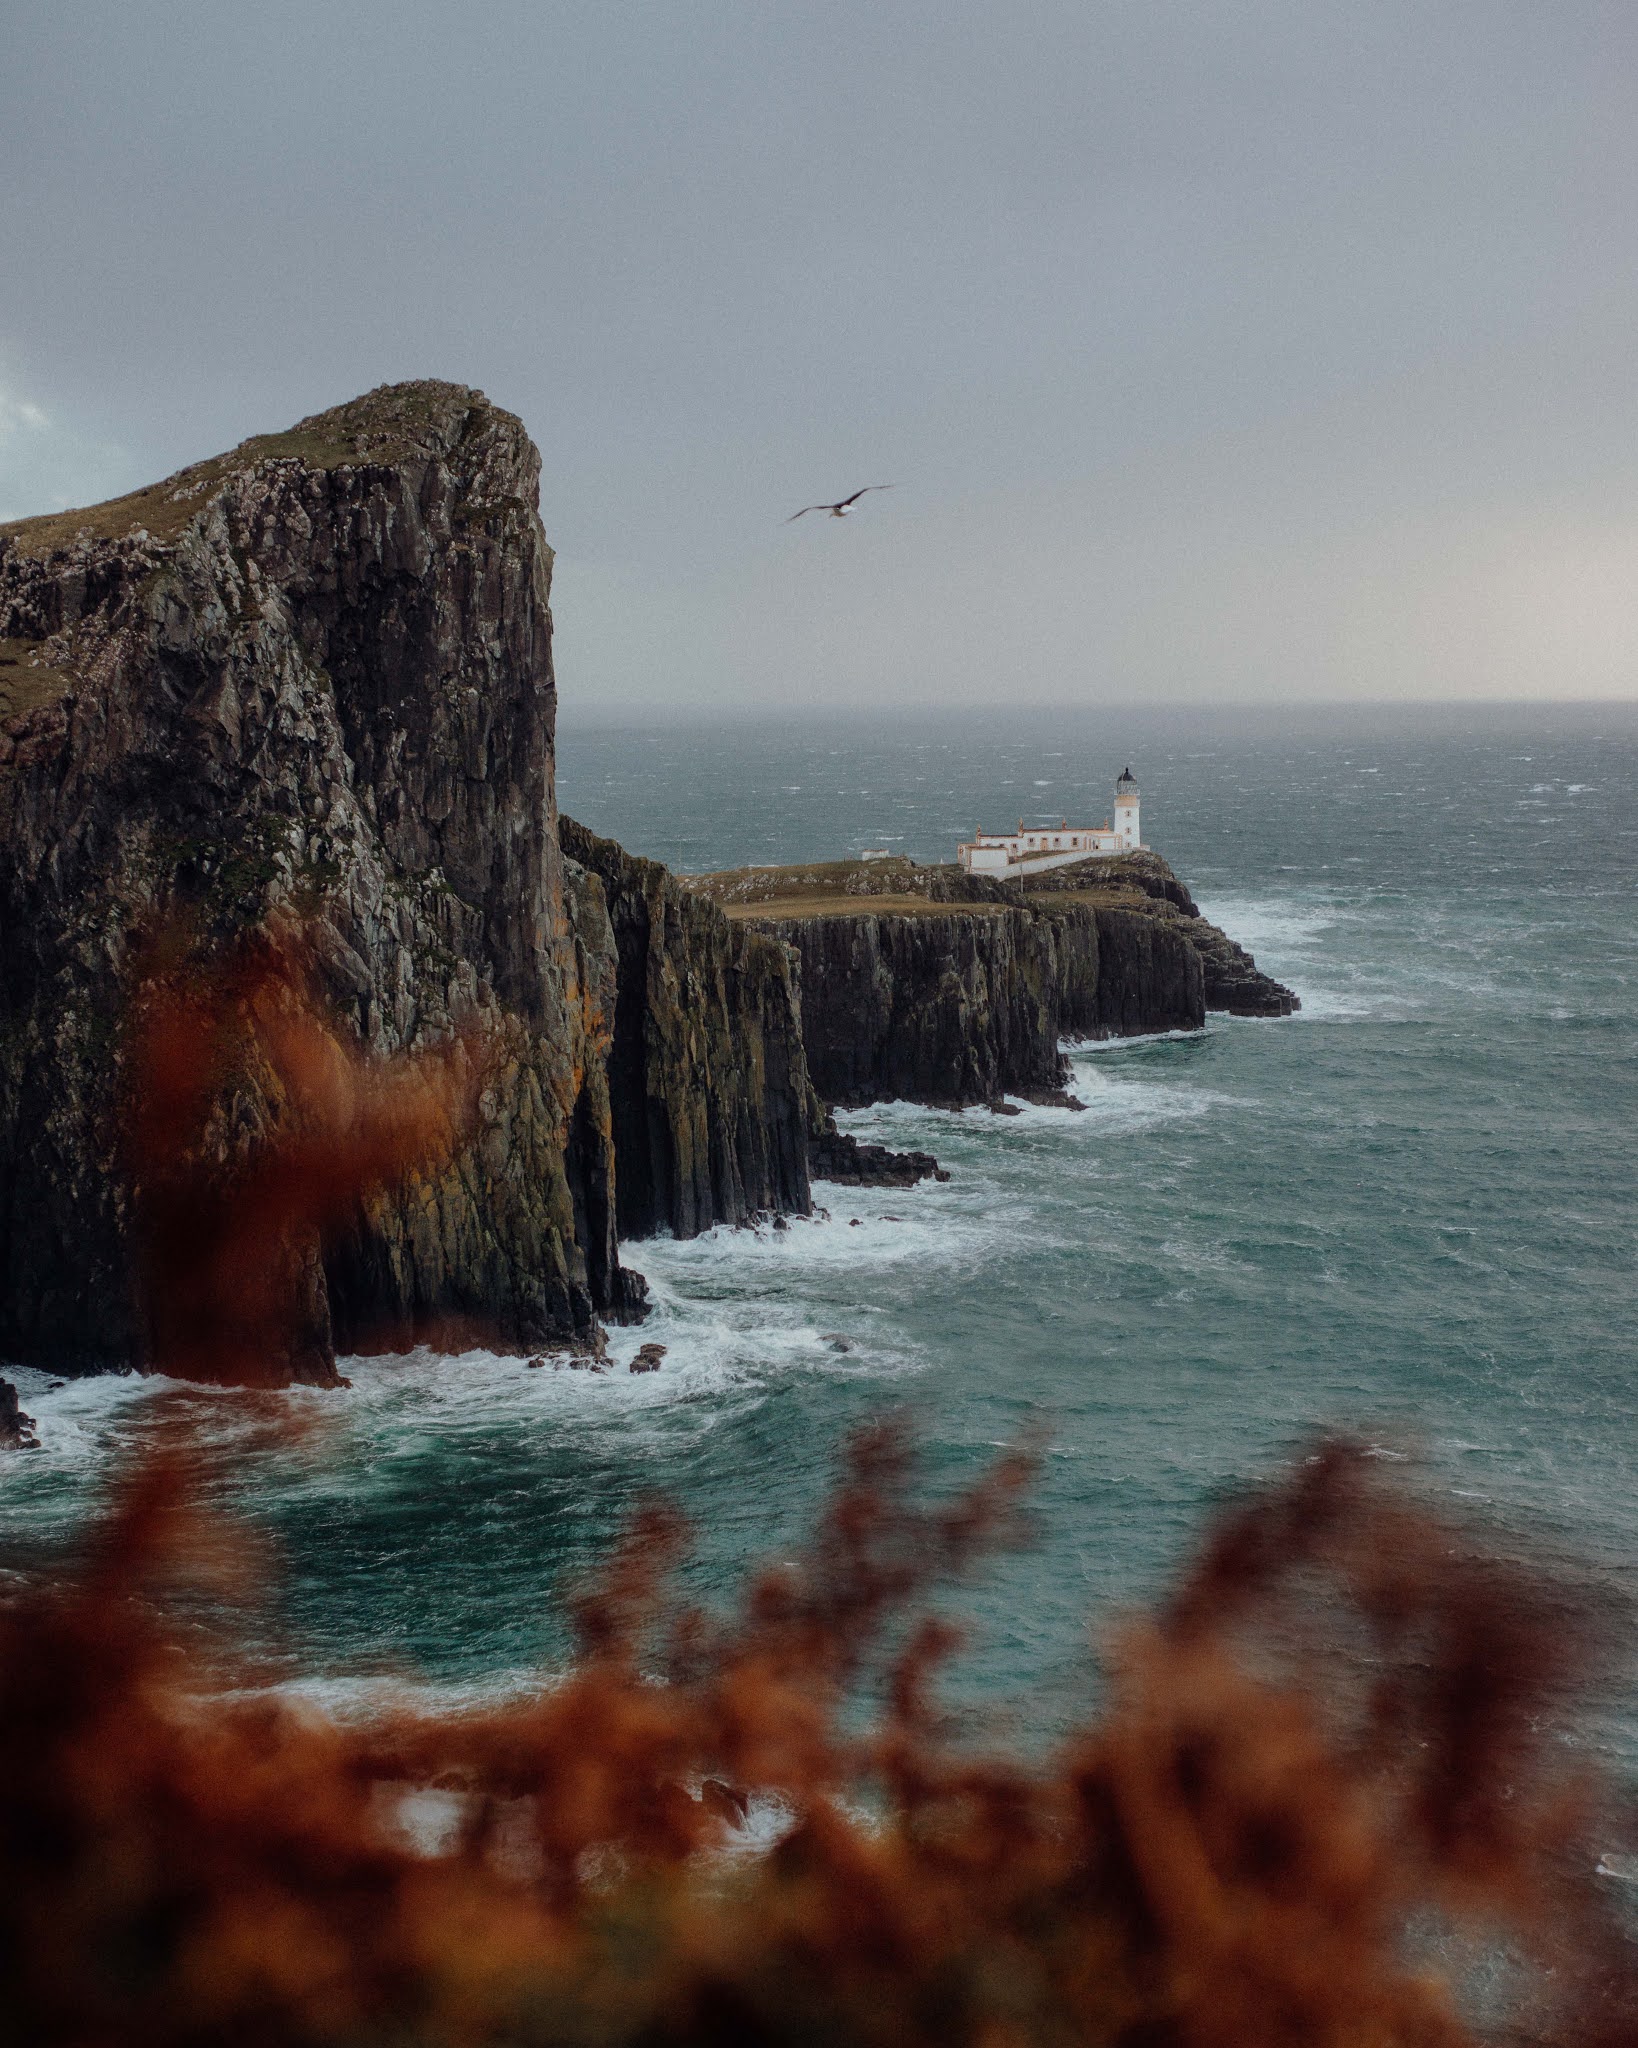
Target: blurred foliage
1335, 1792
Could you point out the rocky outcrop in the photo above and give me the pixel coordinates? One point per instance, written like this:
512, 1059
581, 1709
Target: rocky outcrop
310, 682
312, 677
839, 1156
1142, 886
943, 1007
708, 1080
929, 985
16, 1428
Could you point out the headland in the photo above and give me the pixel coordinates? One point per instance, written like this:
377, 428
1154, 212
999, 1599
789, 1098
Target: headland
310, 682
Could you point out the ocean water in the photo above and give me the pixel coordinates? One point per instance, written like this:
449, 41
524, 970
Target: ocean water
1408, 1212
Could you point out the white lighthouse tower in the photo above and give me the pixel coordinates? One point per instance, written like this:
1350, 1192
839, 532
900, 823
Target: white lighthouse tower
1033, 847
1126, 811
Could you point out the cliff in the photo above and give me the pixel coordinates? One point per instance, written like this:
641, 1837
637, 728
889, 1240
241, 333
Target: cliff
1142, 886
708, 1081
314, 676
310, 682
935, 986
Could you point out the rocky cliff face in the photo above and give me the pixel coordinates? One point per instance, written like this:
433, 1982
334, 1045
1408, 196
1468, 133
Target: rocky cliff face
708, 1079
1141, 886
16, 1428
313, 676
934, 986
943, 1007
311, 681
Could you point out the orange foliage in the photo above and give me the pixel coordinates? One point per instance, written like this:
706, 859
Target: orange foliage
1332, 1776
1344, 1731
228, 1214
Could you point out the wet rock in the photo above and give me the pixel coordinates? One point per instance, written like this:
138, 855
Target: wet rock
1001, 1107
779, 1223
16, 1428
837, 1155
836, 1340
648, 1358
726, 1801
536, 1364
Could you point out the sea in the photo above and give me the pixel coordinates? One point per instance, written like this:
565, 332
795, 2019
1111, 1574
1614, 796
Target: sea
1408, 1213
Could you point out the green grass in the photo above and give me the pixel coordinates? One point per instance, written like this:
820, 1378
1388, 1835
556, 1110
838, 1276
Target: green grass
27, 682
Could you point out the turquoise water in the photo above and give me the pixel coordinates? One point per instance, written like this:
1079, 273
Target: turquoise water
1409, 1211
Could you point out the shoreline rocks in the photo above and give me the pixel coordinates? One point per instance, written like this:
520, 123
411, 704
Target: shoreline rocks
16, 1428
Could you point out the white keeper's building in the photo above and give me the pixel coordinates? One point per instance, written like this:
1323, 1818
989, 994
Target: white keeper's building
1026, 852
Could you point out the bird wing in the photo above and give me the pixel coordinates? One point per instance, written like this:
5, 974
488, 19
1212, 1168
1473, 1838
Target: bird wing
860, 493
808, 508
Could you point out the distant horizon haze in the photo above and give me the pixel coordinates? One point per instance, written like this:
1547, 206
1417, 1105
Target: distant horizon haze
1264, 355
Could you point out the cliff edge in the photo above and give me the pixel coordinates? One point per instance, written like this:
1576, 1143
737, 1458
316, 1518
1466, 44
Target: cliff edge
314, 676
310, 682
933, 985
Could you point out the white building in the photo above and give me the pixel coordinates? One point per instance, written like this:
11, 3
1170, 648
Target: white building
1027, 852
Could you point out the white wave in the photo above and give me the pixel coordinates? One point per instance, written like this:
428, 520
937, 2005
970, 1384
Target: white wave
1115, 1103
1075, 1048
365, 1696
1274, 926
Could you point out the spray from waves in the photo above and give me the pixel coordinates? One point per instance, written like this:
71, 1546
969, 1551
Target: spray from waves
1118, 1104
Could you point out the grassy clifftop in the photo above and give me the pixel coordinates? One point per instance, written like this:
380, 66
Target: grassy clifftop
390, 424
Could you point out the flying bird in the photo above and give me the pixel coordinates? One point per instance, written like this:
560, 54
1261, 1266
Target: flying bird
839, 509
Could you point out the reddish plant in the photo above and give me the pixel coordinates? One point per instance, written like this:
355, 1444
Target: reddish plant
1345, 1731
252, 1126
1331, 1791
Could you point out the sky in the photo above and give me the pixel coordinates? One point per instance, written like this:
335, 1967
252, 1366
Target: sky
1244, 353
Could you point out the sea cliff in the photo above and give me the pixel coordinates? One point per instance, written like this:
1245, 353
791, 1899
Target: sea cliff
313, 679
309, 685
931, 985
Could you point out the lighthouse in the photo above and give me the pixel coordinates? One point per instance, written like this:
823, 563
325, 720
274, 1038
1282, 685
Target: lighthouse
1126, 811
1033, 847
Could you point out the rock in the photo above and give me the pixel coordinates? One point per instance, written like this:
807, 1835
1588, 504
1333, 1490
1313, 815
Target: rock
536, 1364
836, 1155
836, 1340
16, 1428
948, 1007
1230, 979
855, 1223
779, 1223
648, 1358
708, 1079
727, 1802
930, 985
310, 678
1001, 1107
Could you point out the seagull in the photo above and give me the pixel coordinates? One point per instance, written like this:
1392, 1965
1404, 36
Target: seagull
839, 509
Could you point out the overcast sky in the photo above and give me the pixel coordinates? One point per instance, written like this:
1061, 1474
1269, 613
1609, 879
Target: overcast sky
1249, 351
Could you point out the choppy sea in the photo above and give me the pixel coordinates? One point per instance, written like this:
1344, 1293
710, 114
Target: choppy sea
1409, 1212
